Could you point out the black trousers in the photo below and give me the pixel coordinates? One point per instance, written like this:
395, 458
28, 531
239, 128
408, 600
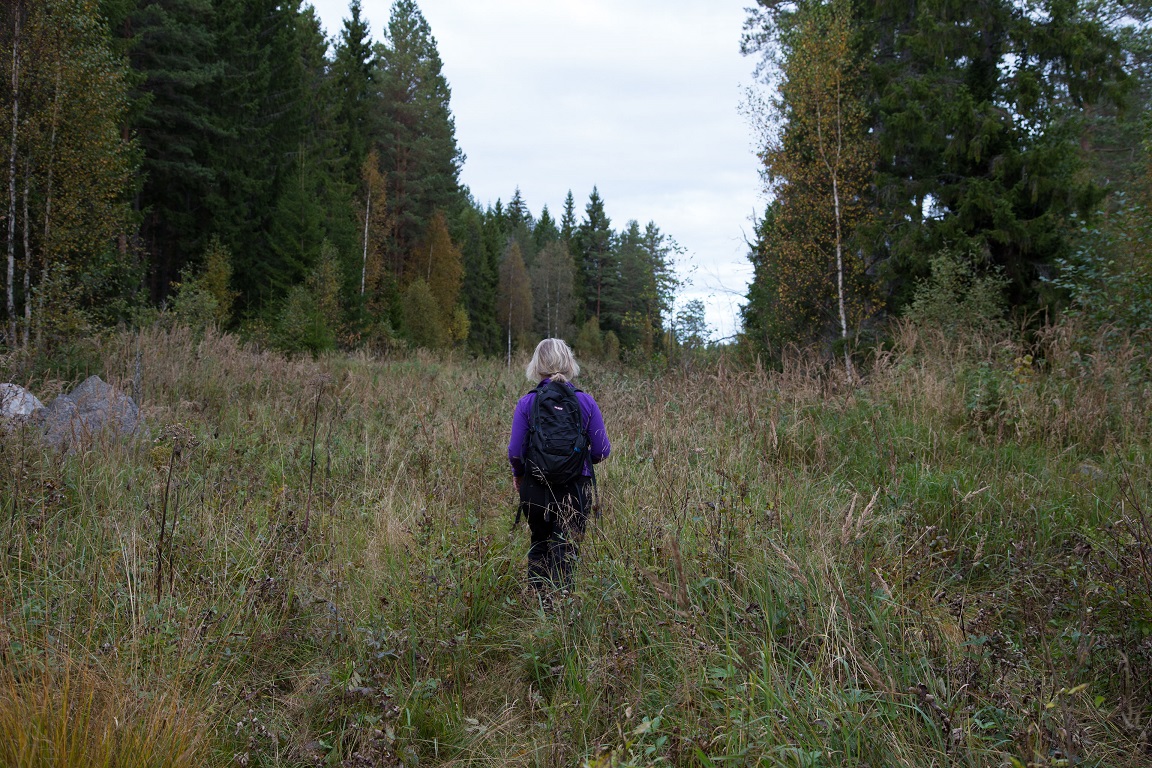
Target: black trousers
557, 516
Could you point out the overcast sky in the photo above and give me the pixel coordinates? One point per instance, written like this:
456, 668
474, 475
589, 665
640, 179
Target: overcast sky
637, 97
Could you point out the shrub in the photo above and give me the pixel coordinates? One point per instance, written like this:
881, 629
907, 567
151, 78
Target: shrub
962, 297
1109, 276
589, 343
310, 316
422, 322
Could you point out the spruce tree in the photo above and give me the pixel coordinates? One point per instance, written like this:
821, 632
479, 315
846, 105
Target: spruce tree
975, 108
259, 104
417, 136
481, 279
594, 252
173, 55
518, 213
353, 73
568, 221
545, 231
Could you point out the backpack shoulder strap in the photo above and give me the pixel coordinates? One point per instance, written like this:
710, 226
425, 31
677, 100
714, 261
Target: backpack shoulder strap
587, 426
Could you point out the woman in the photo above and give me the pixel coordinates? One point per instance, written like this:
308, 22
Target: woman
556, 512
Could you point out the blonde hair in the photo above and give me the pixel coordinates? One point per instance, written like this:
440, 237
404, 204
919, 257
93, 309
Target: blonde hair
553, 359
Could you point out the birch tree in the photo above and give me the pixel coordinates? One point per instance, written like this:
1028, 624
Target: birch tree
375, 226
514, 306
69, 168
553, 291
818, 166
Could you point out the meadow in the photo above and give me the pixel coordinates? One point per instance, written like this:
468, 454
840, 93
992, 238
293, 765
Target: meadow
312, 562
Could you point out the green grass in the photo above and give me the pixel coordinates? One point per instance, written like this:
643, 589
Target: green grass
945, 565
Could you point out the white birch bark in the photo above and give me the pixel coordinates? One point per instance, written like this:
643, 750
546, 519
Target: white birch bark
367, 217
833, 168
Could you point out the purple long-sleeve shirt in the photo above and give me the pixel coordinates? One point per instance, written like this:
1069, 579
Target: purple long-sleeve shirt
593, 422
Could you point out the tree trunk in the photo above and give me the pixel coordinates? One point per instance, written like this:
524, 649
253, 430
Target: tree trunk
11, 297
599, 282
840, 278
367, 217
833, 174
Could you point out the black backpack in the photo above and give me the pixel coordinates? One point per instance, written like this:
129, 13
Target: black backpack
557, 443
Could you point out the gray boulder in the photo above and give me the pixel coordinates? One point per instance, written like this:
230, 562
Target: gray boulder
93, 408
17, 403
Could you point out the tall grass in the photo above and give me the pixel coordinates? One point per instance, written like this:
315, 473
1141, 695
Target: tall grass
73, 717
944, 566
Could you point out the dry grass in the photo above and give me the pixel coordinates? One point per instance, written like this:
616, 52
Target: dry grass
789, 570
75, 716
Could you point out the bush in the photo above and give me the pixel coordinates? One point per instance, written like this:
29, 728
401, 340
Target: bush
611, 347
422, 323
589, 343
204, 299
310, 316
192, 305
962, 297
1109, 276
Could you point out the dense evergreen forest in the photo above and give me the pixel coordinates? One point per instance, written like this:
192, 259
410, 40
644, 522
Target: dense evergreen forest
962, 162
226, 162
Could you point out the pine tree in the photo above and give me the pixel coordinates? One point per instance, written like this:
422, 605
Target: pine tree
545, 231
568, 221
594, 252
418, 149
353, 77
